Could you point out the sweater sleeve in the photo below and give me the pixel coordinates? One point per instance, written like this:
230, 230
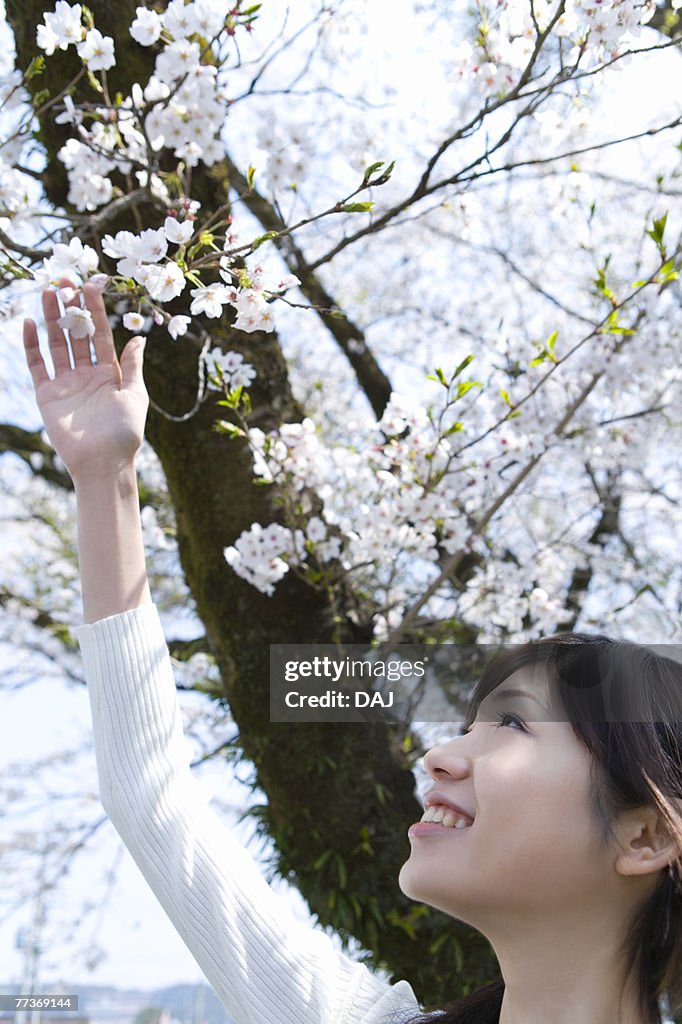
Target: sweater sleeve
266, 967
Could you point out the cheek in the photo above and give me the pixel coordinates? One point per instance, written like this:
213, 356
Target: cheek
540, 827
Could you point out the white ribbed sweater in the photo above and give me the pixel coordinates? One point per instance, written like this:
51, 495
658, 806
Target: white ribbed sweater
266, 967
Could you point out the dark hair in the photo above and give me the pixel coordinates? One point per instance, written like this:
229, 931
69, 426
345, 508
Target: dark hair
624, 704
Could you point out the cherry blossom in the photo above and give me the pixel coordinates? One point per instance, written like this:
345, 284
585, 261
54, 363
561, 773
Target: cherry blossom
177, 325
262, 556
97, 51
228, 370
406, 496
72, 259
163, 282
61, 28
146, 28
133, 322
177, 231
179, 19
209, 300
78, 322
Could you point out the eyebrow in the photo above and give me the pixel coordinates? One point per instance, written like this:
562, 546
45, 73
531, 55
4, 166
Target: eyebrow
499, 695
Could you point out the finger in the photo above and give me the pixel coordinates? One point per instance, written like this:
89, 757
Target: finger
103, 340
36, 363
132, 359
59, 349
80, 347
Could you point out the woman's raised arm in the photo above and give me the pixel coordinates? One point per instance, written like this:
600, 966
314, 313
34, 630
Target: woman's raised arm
265, 966
94, 413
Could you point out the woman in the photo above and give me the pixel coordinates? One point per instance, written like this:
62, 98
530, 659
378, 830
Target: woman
557, 835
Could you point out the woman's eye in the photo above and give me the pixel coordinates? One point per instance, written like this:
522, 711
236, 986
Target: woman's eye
506, 716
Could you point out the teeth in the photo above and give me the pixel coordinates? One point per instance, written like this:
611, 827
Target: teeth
445, 817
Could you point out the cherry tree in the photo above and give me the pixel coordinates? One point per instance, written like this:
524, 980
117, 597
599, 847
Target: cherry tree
410, 288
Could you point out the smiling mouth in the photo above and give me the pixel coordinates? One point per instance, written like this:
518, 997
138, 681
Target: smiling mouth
446, 817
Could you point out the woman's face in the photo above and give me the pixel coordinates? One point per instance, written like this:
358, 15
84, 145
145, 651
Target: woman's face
534, 844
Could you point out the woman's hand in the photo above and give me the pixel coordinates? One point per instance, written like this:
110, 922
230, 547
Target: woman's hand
94, 413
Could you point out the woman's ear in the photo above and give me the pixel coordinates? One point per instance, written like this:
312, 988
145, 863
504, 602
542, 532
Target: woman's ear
645, 843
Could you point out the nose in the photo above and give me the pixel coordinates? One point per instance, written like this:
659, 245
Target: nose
447, 761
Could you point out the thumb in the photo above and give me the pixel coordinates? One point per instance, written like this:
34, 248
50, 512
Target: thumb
131, 362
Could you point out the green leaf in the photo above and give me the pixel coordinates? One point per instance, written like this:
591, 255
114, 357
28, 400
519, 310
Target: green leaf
466, 385
15, 269
355, 904
454, 429
600, 282
375, 911
191, 252
667, 273
382, 178
250, 175
229, 402
547, 352
437, 943
341, 871
95, 82
612, 326
256, 244
231, 429
35, 68
356, 207
322, 860
382, 793
505, 396
365, 845
551, 342
462, 366
371, 169
658, 230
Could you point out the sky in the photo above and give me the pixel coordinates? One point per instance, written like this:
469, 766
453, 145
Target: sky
142, 947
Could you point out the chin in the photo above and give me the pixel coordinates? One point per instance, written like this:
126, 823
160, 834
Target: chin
403, 881
413, 883
408, 882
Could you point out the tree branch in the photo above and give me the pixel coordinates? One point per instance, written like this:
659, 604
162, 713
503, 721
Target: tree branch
348, 336
38, 455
